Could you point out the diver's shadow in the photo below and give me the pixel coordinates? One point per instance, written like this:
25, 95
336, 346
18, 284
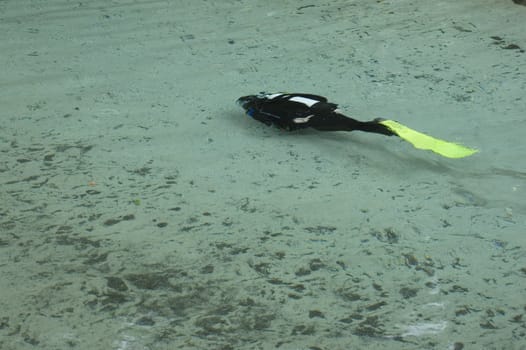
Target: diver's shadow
380, 144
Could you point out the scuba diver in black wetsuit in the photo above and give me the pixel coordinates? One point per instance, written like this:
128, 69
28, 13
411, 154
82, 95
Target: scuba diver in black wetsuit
298, 111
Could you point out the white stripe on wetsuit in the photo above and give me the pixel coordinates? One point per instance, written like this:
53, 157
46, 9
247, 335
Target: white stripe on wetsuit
309, 102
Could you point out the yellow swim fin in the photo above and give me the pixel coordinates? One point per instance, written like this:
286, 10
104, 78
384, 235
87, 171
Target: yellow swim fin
423, 141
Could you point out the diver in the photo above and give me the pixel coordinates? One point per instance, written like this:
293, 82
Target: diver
298, 111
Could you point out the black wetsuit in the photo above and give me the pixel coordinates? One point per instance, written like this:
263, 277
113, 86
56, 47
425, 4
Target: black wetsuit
299, 111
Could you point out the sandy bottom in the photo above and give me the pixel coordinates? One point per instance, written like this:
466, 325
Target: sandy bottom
140, 209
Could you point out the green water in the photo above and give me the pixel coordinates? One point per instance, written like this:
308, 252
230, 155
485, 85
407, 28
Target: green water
141, 209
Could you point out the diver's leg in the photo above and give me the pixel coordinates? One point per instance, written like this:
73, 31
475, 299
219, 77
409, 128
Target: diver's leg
340, 122
375, 127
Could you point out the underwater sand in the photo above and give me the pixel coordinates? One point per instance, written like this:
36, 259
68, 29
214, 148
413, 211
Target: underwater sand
140, 209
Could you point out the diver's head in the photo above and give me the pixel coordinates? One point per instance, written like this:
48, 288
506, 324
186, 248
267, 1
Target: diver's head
247, 102
251, 101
